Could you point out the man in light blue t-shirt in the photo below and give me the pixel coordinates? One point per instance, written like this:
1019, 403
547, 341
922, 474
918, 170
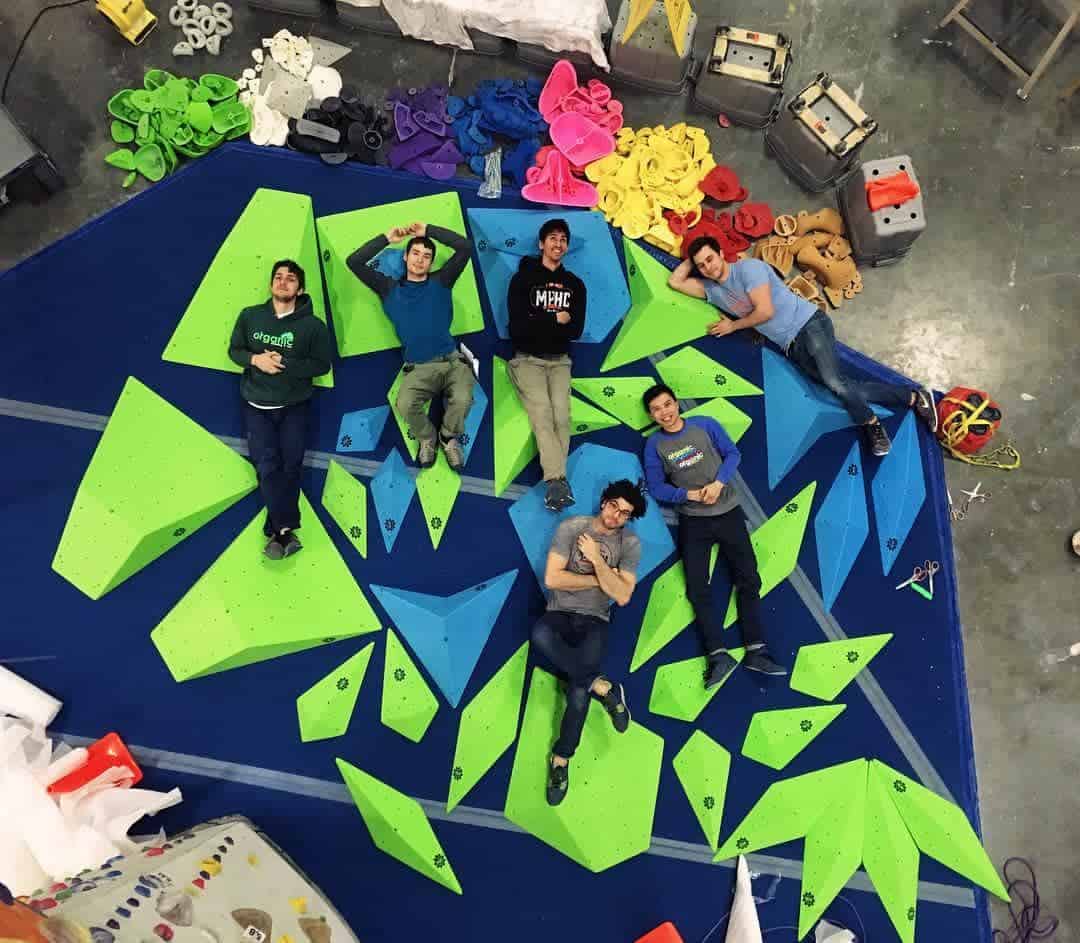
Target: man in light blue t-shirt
754, 294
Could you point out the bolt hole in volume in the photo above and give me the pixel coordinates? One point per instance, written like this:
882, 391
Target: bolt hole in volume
1056, 656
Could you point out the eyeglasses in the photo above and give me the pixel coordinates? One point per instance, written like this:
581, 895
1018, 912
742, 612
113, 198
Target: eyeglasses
622, 513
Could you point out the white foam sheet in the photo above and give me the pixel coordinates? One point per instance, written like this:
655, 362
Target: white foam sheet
743, 926
20, 698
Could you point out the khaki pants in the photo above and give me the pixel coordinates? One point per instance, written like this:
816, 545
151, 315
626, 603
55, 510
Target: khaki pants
450, 377
544, 389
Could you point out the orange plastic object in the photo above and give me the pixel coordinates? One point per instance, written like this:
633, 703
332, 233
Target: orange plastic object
665, 933
896, 189
19, 922
107, 752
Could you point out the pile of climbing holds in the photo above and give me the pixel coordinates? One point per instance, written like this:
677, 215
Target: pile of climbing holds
172, 116
203, 26
421, 128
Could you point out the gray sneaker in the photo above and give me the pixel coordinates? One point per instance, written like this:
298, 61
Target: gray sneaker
290, 544
274, 550
558, 495
455, 457
426, 453
877, 438
925, 408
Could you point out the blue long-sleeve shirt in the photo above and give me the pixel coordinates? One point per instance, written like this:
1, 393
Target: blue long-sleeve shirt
699, 453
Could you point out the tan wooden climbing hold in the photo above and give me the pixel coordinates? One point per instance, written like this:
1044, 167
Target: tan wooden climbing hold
816, 240
838, 248
785, 225
835, 296
836, 273
824, 220
804, 287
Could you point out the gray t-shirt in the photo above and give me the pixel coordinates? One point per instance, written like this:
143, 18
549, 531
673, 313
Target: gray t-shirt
621, 550
699, 453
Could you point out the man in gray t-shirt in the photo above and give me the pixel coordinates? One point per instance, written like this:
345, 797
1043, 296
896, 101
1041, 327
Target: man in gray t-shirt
591, 564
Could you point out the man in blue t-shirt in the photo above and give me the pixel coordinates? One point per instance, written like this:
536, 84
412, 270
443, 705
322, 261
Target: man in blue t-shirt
689, 463
421, 308
754, 294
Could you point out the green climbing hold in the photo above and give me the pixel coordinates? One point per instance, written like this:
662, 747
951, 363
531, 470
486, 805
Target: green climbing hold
702, 766
408, 706
620, 396
121, 132
120, 106
182, 135
734, 421
488, 725
584, 417
229, 115
776, 737
437, 488
175, 97
219, 86
208, 139
156, 78
345, 498
679, 691
121, 158
150, 162
129, 180
891, 857
694, 375
143, 134
325, 709
142, 100
824, 669
199, 93
200, 115
399, 826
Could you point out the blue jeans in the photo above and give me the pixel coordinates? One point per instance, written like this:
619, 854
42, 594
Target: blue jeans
575, 644
276, 449
814, 352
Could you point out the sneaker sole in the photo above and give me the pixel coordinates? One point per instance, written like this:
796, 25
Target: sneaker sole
629, 716
293, 550
768, 674
716, 684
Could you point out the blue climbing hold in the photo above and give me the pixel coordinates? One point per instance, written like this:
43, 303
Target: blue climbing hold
392, 490
899, 491
841, 526
360, 430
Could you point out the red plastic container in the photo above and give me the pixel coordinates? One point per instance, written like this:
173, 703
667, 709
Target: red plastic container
107, 752
665, 933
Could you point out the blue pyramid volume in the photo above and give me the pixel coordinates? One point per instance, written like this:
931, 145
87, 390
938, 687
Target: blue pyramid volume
473, 418
798, 412
589, 470
448, 633
392, 490
899, 491
360, 430
503, 237
841, 526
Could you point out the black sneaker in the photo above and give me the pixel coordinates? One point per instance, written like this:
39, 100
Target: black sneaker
558, 494
274, 549
719, 669
615, 704
568, 498
925, 409
877, 438
760, 662
558, 782
290, 544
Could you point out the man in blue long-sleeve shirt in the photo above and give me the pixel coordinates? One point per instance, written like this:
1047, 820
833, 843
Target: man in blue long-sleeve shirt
690, 463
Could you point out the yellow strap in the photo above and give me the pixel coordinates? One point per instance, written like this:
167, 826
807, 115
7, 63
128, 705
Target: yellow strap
956, 428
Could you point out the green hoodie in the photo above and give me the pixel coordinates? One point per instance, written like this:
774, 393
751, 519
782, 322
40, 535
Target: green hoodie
302, 340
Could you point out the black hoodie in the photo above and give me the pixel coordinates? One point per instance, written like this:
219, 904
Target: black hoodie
302, 340
536, 296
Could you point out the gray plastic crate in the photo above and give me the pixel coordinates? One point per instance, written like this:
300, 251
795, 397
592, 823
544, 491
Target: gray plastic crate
880, 236
648, 60
726, 82
819, 134
544, 58
293, 7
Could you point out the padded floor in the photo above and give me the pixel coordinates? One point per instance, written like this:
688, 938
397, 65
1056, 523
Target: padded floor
101, 305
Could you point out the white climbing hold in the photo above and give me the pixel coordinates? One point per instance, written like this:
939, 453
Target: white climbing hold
213, 45
247, 74
208, 24
258, 55
183, 48
224, 26
187, 5
259, 67
177, 15
222, 10
324, 82
203, 10
266, 43
195, 37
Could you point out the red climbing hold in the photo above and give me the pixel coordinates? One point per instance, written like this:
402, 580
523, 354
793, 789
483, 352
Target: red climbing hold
896, 189
721, 183
754, 220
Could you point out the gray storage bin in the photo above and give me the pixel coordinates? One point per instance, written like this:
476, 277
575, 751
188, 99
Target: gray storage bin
544, 58
743, 78
884, 235
292, 7
648, 60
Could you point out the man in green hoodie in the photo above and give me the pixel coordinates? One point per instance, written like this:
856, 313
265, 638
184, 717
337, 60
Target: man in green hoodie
281, 345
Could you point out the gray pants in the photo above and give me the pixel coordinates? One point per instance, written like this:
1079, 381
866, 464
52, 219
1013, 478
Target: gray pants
450, 377
544, 388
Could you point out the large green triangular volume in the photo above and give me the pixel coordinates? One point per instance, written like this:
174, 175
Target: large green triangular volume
667, 612
890, 857
620, 396
694, 375
409, 440
154, 479
788, 809
488, 725
399, 826
659, 317
274, 225
824, 669
246, 608
776, 545
514, 442
733, 420
438, 489
584, 417
408, 706
833, 849
940, 829
360, 324
775, 738
325, 709
679, 690
345, 499
702, 766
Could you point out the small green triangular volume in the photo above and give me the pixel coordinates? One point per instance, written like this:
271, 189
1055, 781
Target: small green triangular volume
776, 545
345, 499
274, 225
411, 445
702, 766
360, 324
667, 613
694, 375
154, 479
408, 706
788, 809
584, 417
890, 857
488, 725
398, 825
775, 738
940, 829
833, 849
620, 396
733, 420
659, 317
325, 709
246, 608
679, 691
514, 442
824, 669
438, 489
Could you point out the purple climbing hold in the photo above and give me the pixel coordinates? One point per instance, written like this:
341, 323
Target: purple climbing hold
429, 122
419, 145
404, 124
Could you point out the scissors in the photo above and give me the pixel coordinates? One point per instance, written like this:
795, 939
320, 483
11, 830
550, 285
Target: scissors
920, 573
956, 513
977, 495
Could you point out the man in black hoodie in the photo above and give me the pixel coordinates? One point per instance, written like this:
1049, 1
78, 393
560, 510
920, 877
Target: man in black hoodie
281, 345
546, 304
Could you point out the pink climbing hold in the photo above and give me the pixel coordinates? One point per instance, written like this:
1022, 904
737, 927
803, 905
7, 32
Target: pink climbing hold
555, 183
580, 140
560, 83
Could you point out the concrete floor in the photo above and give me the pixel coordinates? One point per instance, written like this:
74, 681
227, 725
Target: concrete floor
988, 297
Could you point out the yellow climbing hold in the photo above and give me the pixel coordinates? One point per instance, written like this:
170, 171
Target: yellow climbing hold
210, 866
299, 904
